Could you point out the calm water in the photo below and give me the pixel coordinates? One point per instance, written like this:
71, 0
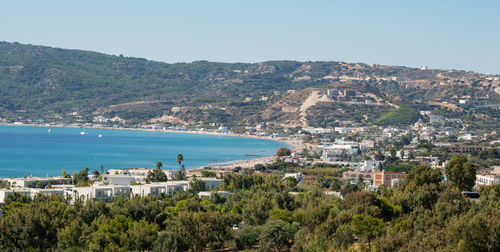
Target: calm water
33, 150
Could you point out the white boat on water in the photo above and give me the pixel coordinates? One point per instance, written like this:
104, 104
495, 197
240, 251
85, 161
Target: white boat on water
50, 130
83, 133
100, 135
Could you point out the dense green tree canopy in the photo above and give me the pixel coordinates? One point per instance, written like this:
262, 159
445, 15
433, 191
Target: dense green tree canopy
422, 213
156, 175
421, 175
461, 172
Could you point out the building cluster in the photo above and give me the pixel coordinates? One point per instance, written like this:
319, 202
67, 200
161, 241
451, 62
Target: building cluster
349, 95
420, 144
489, 178
114, 186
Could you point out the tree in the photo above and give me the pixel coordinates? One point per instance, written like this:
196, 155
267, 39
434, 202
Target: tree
367, 227
156, 175
343, 236
393, 154
183, 172
180, 158
461, 172
379, 156
283, 151
32, 226
197, 185
420, 175
65, 174
259, 167
411, 155
170, 242
343, 155
335, 185
257, 211
248, 237
276, 235
426, 145
159, 165
82, 177
179, 175
140, 236
348, 188
290, 182
71, 236
208, 174
281, 214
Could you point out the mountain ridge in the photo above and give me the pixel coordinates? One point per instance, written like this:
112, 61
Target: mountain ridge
52, 83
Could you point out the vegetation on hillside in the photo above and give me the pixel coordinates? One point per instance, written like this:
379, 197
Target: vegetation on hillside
48, 84
423, 213
401, 116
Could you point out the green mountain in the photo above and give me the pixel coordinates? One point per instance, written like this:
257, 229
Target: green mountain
38, 82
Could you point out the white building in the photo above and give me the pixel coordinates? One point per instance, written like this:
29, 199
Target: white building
210, 193
107, 192
139, 174
333, 151
211, 183
487, 180
370, 165
297, 176
33, 192
118, 179
223, 129
33, 182
467, 137
316, 131
435, 119
101, 192
160, 189
48, 191
4, 193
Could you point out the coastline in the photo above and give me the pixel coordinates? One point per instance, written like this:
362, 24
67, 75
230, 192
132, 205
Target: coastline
244, 163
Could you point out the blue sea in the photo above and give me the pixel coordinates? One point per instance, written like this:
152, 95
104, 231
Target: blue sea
26, 151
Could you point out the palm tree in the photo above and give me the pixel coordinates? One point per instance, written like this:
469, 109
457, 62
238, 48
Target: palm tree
159, 164
180, 158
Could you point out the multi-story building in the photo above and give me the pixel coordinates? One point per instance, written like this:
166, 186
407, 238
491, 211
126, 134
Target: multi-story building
38, 182
106, 192
487, 180
387, 178
139, 174
461, 149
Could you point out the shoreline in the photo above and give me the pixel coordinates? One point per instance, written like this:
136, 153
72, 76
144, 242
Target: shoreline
294, 145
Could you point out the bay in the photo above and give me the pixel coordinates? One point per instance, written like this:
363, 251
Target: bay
35, 151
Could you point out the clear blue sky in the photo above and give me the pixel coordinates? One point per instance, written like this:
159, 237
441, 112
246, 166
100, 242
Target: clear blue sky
445, 34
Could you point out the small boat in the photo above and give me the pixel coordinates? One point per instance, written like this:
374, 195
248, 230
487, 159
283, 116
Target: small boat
83, 133
50, 130
100, 135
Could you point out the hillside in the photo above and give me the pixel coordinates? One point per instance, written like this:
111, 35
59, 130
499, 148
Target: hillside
51, 84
